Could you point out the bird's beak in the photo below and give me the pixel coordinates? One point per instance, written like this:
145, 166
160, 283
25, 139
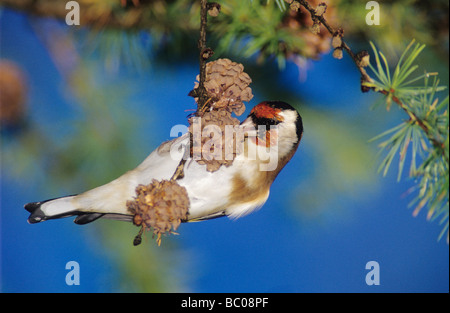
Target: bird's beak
248, 128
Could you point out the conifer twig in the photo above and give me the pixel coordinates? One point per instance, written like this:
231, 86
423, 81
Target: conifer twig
390, 87
199, 92
440, 145
365, 78
202, 96
205, 53
335, 32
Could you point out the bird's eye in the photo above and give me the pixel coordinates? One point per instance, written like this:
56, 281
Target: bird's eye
264, 121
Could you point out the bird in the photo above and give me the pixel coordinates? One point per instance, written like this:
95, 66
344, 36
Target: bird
232, 191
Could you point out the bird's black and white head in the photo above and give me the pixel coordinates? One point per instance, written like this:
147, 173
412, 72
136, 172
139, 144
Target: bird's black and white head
283, 126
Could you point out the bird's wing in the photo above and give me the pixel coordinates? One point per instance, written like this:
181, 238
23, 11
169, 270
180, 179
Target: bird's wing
111, 198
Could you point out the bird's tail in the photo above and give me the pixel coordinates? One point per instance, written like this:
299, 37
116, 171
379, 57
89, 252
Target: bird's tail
58, 208
107, 201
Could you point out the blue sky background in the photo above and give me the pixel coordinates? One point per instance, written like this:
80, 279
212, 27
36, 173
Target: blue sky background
275, 249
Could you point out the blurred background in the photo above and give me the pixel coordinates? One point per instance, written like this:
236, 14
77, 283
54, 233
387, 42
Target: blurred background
80, 105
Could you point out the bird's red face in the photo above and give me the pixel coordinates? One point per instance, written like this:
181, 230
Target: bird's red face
265, 118
264, 111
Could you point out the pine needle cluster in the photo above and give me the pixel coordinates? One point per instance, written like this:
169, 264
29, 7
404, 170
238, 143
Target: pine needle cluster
423, 137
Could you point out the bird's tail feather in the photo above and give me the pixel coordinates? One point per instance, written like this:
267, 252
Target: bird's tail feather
58, 208
65, 207
49, 209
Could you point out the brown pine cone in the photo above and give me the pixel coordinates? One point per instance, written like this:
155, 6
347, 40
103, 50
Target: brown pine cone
160, 206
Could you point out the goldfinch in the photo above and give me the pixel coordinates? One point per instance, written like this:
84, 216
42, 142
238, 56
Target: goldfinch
232, 191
